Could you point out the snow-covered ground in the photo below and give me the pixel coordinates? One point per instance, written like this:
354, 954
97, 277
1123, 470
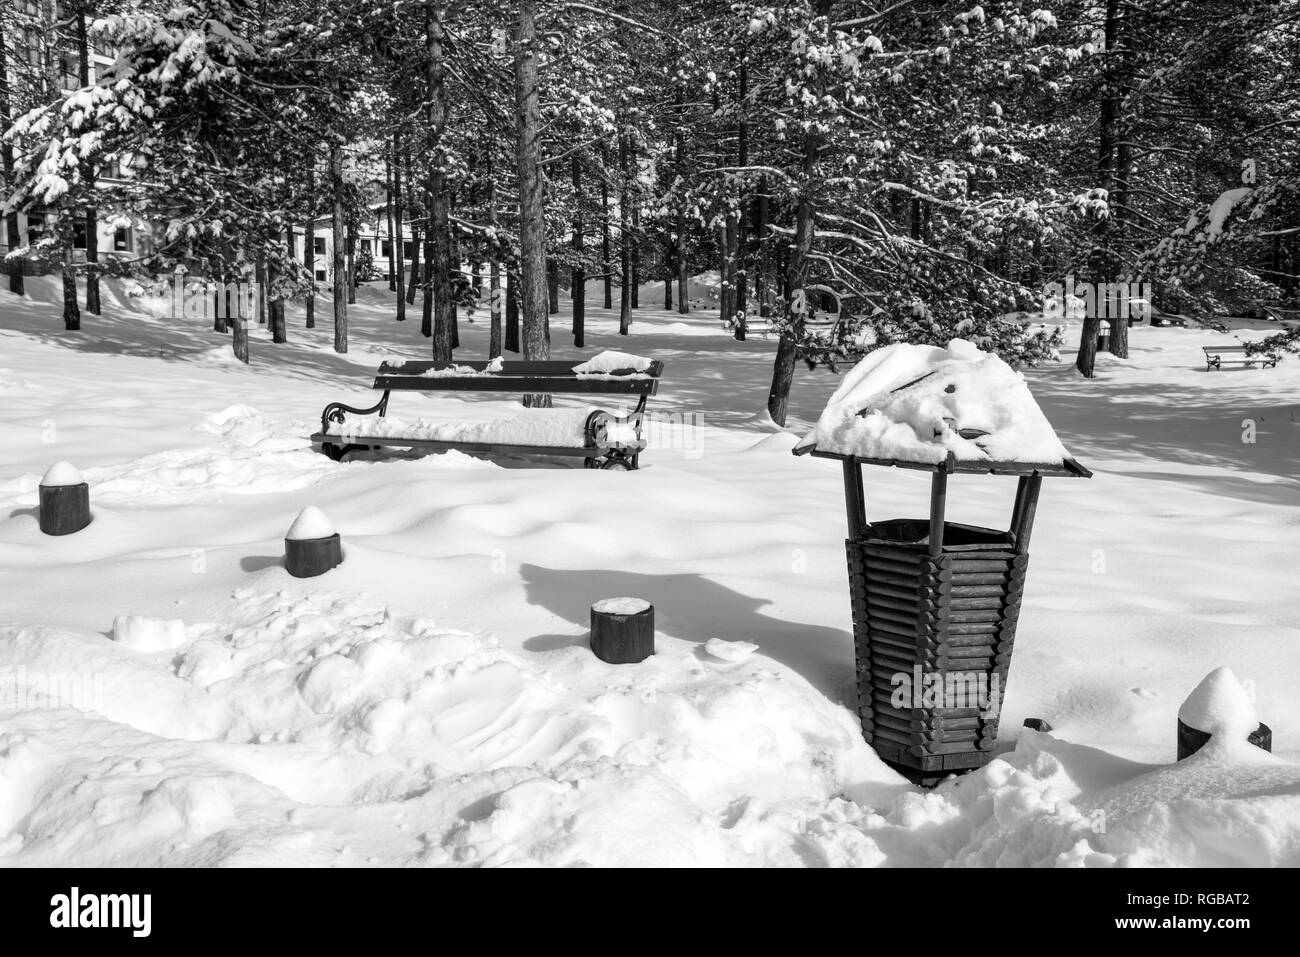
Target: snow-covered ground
170, 695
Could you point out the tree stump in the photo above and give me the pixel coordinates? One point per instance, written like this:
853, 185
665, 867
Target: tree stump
65, 501
64, 508
312, 547
1191, 740
623, 630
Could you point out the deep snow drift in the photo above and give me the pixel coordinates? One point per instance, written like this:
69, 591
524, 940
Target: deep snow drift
169, 694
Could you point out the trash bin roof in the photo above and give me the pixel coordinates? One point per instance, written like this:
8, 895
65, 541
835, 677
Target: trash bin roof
956, 409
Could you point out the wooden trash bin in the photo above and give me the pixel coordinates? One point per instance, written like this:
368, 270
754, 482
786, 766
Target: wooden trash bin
935, 606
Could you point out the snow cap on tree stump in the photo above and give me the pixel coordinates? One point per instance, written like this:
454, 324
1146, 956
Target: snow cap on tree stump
1220, 708
310, 523
61, 474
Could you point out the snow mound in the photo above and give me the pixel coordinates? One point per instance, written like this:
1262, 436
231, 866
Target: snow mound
302, 723
730, 650
919, 403
148, 634
1220, 707
61, 474
565, 428
310, 523
610, 361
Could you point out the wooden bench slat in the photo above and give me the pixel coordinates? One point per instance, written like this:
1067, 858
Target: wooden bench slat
545, 369
435, 444
556, 385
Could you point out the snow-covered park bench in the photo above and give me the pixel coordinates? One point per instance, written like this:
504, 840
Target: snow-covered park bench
1215, 356
604, 439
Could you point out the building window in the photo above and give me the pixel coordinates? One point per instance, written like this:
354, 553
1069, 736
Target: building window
387, 248
122, 239
71, 71
32, 43
320, 275
79, 235
318, 245
408, 249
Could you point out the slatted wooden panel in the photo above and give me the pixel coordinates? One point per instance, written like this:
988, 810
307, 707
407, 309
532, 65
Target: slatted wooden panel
552, 377
951, 614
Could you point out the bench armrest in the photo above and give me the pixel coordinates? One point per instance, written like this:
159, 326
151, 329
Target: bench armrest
337, 411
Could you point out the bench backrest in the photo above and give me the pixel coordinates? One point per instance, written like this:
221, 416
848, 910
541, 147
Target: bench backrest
1213, 349
551, 376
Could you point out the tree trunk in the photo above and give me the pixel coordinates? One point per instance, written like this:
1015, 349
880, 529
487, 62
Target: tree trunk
71, 313
388, 222
532, 199
426, 303
606, 262
92, 215
438, 256
778, 396
1101, 265
309, 249
455, 280
624, 243
739, 246
1119, 184
1087, 358
12, 239
494, 274
683, 280
339, 267
512, 310
578, 278
634, 274
756, 253
278, 331
352, 261
552, 286
399, 242
414, 281
239, 326
731, 275
679, 235
259, 280
494, 309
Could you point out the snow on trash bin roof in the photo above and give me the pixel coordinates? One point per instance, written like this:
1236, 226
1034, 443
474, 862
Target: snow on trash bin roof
916, 404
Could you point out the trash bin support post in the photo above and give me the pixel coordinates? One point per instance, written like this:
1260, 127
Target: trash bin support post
1022, 513
938, 504
855, 498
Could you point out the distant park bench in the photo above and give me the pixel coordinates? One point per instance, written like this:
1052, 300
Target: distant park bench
605, 440
1278, 314
1215, 356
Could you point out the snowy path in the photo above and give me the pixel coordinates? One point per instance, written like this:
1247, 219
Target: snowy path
431, 701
